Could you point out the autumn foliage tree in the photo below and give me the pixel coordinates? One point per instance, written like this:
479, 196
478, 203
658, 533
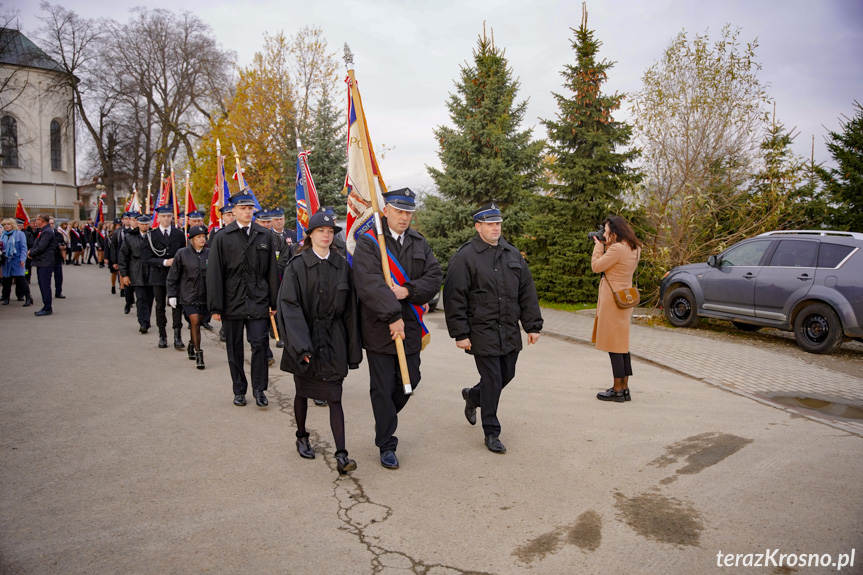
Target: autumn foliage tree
274, 102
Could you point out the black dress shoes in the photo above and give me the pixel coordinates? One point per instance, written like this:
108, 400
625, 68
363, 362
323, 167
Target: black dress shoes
222, 335
206, 325
113, 290
389, 460
42, 312
59, 296
304, 448
611, 395
144, 328
494, 445
260, 398
191, 350
469, 407
5, 301
626, 395
28, 301
320, 402
199, 357
343, 464
126, 309
240, 400
163, 341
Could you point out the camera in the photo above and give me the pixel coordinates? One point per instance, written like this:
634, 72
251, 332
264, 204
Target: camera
599, 234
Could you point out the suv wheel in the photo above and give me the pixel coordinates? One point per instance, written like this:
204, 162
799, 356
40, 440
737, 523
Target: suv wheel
745, 326
680, 308
817, 329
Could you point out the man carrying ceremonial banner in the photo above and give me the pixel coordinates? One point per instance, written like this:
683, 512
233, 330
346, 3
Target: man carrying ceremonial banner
395, 274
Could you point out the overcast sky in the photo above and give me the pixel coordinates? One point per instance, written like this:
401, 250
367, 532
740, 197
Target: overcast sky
408, 53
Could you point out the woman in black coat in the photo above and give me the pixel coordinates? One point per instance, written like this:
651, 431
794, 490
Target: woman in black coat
318, 315
186, 284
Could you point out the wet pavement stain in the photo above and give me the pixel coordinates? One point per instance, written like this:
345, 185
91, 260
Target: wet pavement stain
357, 511
587, 531
661, 518
701, 451
538, 547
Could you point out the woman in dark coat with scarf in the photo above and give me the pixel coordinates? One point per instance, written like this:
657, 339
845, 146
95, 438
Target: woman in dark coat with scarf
318, 315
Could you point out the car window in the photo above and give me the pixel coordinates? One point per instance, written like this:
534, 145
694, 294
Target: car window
832, 254
794, 254
748, 254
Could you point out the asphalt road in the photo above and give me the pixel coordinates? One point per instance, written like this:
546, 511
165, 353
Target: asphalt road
118, 457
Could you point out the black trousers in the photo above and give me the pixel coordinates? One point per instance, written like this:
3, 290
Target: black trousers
160, 293
58, 279
621, 364
22, 289
129, 294
144, 301
44, 275
257, 336
387, 394
495, 371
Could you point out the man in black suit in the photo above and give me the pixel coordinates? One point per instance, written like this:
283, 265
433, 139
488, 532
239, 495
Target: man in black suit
164, 241
42, 254
242, 293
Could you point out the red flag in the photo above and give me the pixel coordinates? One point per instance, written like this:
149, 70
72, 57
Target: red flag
21, 213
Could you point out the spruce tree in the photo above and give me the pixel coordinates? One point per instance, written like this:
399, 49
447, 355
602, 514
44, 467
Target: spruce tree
485, 156
844, 184
588, 173
327, 161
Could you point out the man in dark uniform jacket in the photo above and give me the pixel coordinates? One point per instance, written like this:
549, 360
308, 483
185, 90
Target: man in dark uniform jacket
387, 313
242, 293
42, 254
116, 244
134, 270
488, 290
163, 243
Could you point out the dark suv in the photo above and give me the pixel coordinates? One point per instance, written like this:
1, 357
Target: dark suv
808, 282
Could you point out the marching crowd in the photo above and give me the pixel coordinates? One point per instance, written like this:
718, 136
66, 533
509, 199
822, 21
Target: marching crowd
259, 281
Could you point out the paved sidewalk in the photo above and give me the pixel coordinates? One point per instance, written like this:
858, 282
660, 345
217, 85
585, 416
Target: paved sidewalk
744, 369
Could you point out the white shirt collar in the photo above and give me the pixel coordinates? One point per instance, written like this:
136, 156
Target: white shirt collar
320, 257
395, 236
165, 230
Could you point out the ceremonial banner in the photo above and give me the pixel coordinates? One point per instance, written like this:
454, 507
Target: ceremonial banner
100, 211
356, 188
307, 195
221, 194
133, 205
161, 200
21, 213
241, 181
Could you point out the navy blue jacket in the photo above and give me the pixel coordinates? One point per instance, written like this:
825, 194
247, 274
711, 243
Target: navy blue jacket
42, 252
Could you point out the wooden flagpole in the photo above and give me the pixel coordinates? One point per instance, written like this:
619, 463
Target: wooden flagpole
174, 200
188, 195
219, 181
367, 160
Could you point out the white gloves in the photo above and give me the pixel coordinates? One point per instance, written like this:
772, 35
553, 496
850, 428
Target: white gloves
172, 301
